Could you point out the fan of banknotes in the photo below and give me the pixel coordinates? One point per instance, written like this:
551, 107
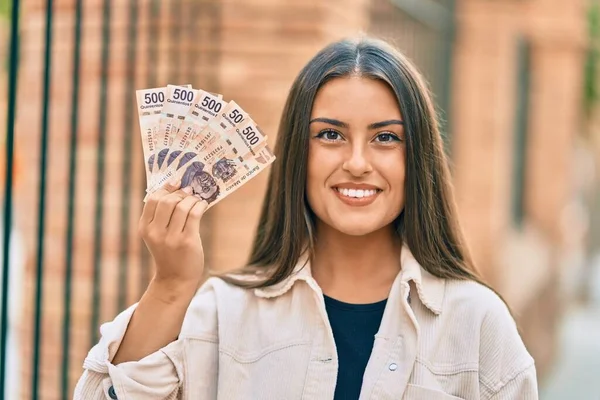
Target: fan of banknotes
196, 137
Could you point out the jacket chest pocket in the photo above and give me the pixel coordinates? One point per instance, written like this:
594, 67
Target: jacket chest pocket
276, 372
414, 392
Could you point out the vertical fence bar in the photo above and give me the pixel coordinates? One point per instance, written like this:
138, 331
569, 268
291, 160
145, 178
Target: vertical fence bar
39, 292
126, 172
8, 189
66, 329
96, 298
447, 38
153, 61
519, 161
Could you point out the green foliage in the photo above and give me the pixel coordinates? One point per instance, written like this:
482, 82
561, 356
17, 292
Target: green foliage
591, 90
5, 16
5, 8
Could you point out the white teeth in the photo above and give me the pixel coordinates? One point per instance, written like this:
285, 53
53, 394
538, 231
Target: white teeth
356, 193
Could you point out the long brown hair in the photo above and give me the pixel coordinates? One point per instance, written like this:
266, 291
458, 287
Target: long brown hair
428, 224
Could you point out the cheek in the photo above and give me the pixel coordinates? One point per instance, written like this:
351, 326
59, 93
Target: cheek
321, 164
393, 169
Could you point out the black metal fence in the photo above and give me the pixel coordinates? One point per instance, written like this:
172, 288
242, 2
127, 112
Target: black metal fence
423, 28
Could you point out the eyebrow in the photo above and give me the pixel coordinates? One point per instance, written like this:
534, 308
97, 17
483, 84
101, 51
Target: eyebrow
375, 125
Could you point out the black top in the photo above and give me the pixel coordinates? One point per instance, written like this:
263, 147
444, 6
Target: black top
354, 327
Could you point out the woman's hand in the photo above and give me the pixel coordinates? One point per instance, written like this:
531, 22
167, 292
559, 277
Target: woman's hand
170, 227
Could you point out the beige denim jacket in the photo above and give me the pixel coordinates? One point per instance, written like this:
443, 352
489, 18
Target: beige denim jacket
438, 340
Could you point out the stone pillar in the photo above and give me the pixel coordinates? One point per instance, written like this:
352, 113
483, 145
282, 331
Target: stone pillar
482, 109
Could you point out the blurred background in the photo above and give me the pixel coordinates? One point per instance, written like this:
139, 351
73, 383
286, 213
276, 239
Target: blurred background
517, 83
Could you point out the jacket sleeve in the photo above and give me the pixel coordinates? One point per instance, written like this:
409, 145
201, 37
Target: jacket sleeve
160, 375
507, 370
521, 387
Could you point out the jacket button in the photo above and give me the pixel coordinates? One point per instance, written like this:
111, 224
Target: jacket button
111, 393
393, 366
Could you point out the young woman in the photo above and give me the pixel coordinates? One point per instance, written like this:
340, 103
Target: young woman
359, 284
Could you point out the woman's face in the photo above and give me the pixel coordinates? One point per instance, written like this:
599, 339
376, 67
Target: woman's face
356, 157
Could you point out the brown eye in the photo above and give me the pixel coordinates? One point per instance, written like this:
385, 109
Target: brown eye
387, 137
329, 134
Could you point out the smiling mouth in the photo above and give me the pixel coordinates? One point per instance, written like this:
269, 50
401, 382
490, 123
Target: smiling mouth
357, 193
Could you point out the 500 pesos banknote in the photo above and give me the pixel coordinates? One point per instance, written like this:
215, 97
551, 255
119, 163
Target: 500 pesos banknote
226, 127
225, 177
213, 183
206, 108
227, 151
245, 139
214, 135
150, 103
178, 102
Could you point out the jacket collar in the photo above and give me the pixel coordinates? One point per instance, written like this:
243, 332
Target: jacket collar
430, 288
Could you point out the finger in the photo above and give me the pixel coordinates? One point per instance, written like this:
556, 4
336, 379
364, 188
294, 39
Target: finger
172, 186
181, 212
166, 206
192, 224
167, 188
149, 210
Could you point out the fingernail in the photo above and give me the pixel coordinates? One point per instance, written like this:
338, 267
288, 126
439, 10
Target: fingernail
187, 189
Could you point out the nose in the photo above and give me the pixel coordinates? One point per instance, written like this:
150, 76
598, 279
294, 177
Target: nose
358, 162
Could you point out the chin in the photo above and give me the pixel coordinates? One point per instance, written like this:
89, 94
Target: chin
360, 226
